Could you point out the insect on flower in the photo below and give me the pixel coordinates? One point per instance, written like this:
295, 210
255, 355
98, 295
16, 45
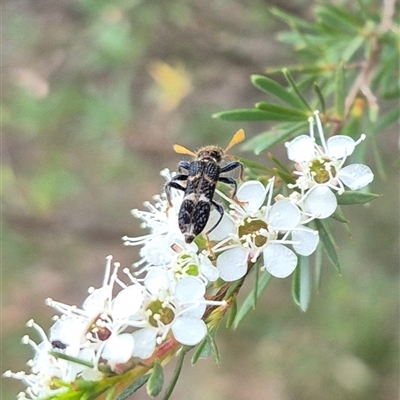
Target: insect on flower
199, 183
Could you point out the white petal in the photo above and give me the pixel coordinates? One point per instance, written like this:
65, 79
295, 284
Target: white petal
208, 270
118, 349
232, 264
356, 176
128, 301
195, 312
189, 331
301, 148
279, 260
145, 343
283, 215
189, 290
340, 146
69, 331
252, 195
320, 201
156, 280
223, 229
97, 300
308, 239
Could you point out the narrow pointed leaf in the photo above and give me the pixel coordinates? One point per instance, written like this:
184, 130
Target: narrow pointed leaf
350, 197
215, 351
339, 216
318, 267
248, 304
232, 313
295, 88
244, 115
273, 88
340, 91
133, 388
203, 350
320, 96
289, 113
177, 372
266, 140
328, 243
302, 284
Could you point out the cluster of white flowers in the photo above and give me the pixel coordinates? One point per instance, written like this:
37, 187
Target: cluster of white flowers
164, 297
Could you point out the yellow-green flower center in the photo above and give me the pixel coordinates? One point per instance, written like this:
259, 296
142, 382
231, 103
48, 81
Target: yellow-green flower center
322, 170
250, 230
185, 266
158, 312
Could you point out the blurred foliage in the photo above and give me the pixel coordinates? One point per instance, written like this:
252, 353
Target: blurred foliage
90, 114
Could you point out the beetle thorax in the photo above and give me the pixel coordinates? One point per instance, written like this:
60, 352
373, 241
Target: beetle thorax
212, 153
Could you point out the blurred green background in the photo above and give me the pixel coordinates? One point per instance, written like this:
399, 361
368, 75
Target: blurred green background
95, 93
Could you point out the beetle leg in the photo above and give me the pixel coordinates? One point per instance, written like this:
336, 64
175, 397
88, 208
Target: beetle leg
231, 166
173, 183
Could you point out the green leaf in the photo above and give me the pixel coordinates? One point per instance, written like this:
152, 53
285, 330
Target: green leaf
253, 115
350, 197
328, 243
295, 88
266, 140
340, 91
203, 350
339, 216
273, 88
302, 284
288, 113
318, 267
156, 380
248, 304
254, 166
320, 96
215, 351
291, 19
232, 313
133, 388
352, 46
177, 372
339, 19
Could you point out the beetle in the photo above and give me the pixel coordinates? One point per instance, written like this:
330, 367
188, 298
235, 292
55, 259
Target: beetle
198, 179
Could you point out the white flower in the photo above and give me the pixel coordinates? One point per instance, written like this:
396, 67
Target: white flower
257, 230
46, 369
320, 168
173, 306
162, 220
101, 321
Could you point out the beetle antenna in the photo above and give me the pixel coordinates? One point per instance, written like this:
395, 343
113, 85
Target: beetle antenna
238, 137
183, 150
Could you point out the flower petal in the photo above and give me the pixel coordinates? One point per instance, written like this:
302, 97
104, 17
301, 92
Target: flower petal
356, 176
283, 215
189, 331
320, 201
279, 260
145, 343
308, 239
232, 264
252, 195
223, 229
189, 290
340, 146
128, 301
301, 148
208, 270
118, 349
